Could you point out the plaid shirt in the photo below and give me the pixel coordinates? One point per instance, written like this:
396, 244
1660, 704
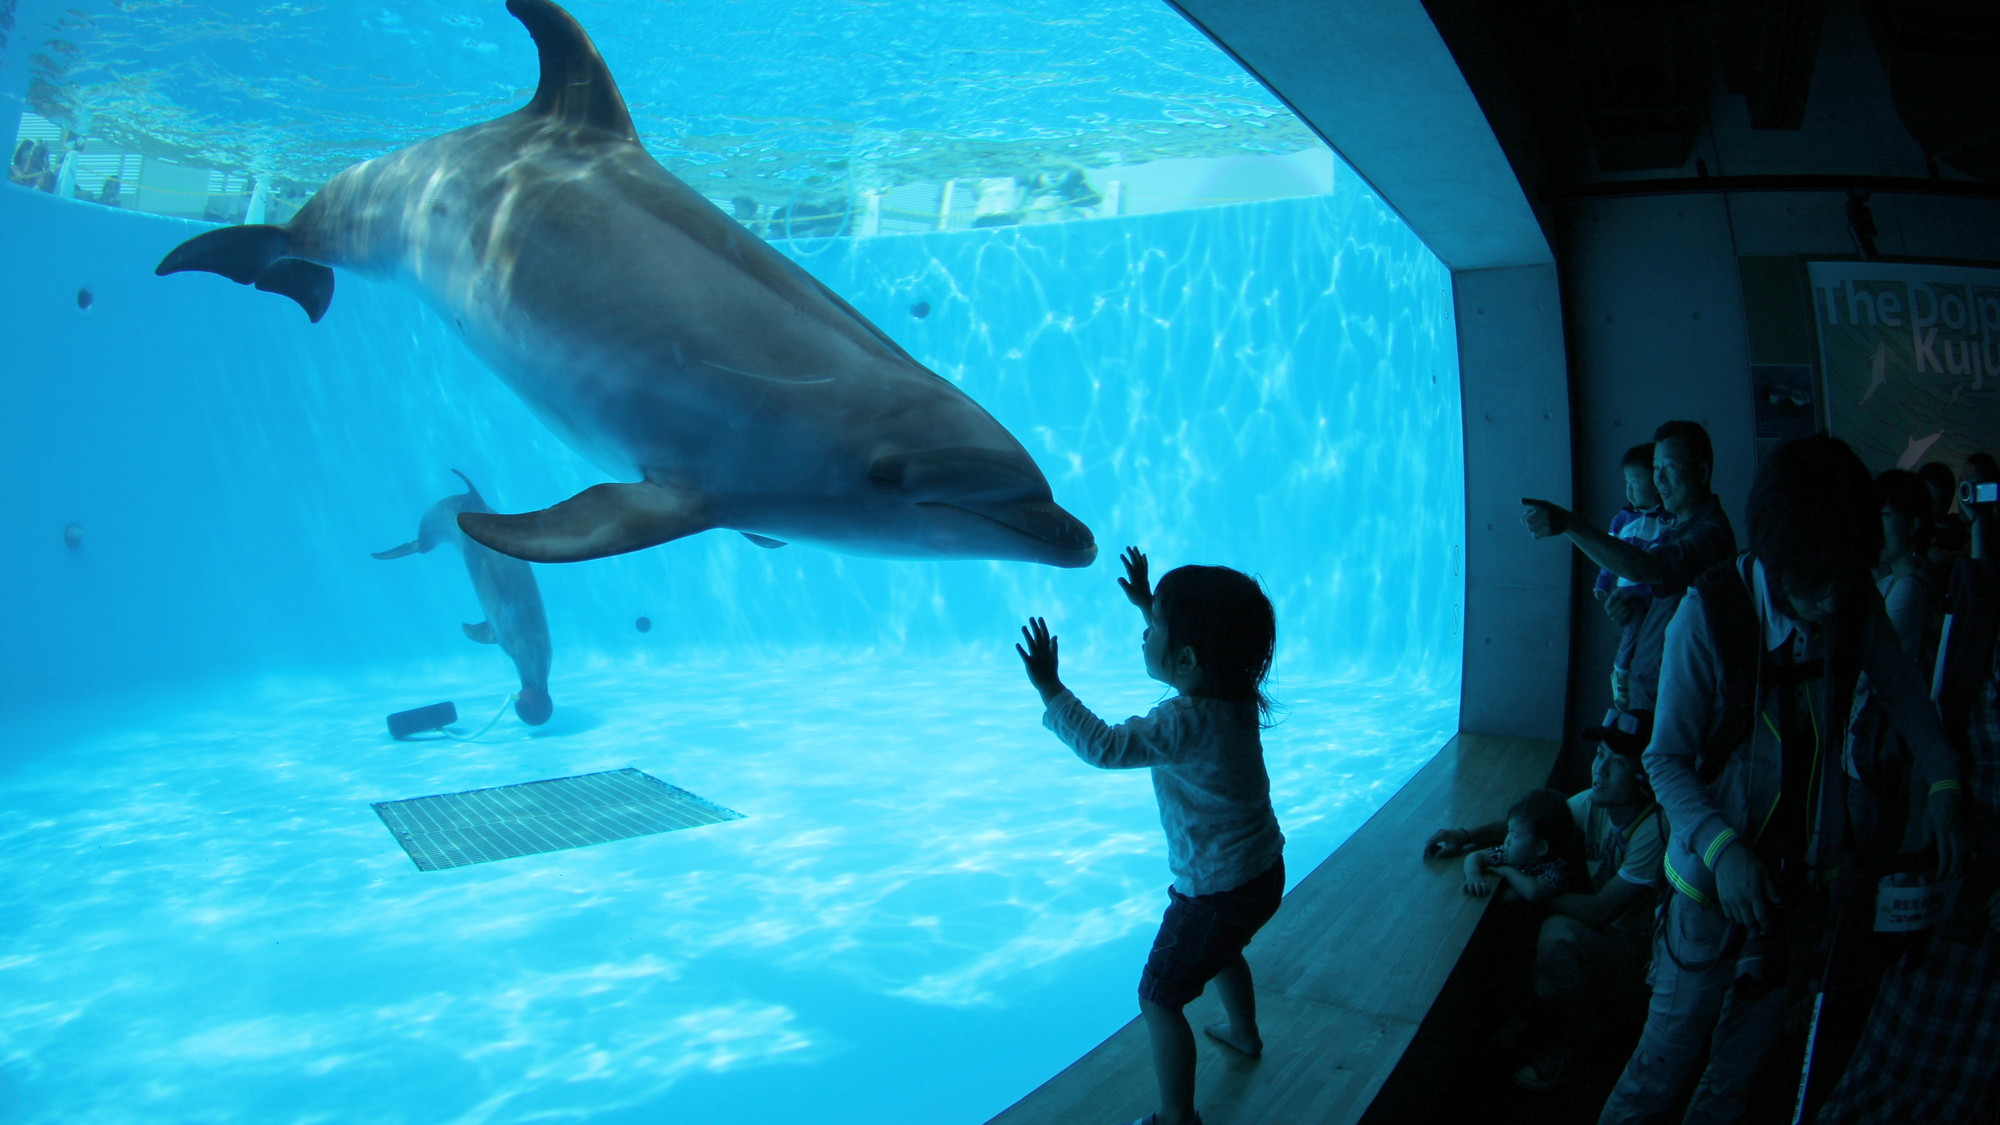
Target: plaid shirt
1931, 1050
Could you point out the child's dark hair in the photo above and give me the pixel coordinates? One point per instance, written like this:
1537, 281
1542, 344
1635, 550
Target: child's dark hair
1224, 616
1638, 457
1547, 812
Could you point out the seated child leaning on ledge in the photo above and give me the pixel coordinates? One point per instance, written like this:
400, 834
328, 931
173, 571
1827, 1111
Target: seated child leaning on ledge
1542, 855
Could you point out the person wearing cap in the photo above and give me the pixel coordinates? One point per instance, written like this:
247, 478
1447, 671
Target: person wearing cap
1591, 949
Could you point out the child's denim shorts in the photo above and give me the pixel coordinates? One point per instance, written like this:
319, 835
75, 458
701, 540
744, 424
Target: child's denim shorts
1200, 936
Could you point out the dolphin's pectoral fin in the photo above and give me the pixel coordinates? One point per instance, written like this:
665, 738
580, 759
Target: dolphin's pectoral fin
576, 86
255, 254
482, 632
308, 283
409, 548
603, 520
763, 540
240, 253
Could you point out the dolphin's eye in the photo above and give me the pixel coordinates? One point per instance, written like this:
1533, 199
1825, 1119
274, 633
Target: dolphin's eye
887, 472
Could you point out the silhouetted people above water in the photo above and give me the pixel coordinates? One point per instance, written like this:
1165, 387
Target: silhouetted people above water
744, 209
1209, 635
1699, 537
108, 192
31, 168
802, 218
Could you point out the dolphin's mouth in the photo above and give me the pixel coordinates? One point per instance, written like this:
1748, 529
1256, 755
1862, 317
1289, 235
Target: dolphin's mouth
1044, 521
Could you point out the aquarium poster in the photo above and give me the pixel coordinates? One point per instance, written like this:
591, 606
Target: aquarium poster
1909, 359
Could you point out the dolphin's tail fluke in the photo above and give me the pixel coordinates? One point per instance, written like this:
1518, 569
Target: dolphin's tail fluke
255, 255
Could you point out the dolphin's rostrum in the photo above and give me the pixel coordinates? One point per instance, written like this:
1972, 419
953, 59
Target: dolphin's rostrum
658, 338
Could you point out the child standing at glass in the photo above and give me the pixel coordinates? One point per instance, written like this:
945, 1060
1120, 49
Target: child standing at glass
1209, 635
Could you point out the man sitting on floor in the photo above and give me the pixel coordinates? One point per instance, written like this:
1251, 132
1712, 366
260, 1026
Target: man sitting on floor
1591, 950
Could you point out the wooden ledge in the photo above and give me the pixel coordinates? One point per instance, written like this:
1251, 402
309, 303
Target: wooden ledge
1345, 972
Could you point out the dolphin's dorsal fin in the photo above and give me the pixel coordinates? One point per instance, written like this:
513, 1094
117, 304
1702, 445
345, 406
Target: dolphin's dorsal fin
471, 489
576, 85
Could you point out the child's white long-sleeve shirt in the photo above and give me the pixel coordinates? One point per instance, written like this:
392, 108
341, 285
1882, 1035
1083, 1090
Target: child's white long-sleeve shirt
1208, 775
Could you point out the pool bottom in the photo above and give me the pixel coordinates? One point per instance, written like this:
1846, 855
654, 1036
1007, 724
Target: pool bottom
929, 907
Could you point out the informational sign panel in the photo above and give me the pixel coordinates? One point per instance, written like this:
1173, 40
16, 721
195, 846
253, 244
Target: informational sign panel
1909, 360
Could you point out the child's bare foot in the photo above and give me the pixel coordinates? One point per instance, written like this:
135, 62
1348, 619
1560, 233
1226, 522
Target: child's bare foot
1225, 1034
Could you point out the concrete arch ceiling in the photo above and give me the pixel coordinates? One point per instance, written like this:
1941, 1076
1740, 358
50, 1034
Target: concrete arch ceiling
1377, 82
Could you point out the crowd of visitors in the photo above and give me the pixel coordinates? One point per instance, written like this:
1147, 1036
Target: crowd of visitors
1786, 860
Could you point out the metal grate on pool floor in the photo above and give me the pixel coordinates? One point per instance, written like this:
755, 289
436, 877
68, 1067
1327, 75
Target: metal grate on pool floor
482, 825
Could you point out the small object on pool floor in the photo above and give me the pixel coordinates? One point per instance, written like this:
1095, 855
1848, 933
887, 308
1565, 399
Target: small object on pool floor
644, 624
73, 535
437, 716
482, 825
84, 299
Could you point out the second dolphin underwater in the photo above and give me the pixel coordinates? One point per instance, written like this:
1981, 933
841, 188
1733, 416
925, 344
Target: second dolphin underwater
507, 592
720, 384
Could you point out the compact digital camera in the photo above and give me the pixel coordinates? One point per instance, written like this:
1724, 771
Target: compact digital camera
1972, 492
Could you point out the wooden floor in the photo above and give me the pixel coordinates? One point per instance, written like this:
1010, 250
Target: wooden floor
1345, 972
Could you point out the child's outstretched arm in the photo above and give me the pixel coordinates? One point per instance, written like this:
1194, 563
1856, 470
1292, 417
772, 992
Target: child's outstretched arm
1137, 584
1040, 659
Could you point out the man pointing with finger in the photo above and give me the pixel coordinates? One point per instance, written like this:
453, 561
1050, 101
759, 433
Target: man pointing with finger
1698, 538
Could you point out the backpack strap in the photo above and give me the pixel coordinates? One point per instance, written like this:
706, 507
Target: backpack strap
1732, 624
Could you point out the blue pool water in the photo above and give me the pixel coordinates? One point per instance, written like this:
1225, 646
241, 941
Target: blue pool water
929, 907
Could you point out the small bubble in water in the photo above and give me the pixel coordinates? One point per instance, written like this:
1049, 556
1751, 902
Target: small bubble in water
85, 298
73, 535
921, 309
644, 624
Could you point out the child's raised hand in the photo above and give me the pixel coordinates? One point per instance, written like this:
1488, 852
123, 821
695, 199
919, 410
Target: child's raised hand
1137, 584
1039, 657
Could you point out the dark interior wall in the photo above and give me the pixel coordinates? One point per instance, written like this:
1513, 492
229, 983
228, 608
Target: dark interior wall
1653, 293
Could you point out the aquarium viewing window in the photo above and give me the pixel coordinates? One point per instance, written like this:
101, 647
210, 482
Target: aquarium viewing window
237, 544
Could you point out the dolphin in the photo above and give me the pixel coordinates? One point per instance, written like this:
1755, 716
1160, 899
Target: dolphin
1914, 452
718, 383
1878, 373
507, 592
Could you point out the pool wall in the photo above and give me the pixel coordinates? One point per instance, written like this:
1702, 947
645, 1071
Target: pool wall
1273, 386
